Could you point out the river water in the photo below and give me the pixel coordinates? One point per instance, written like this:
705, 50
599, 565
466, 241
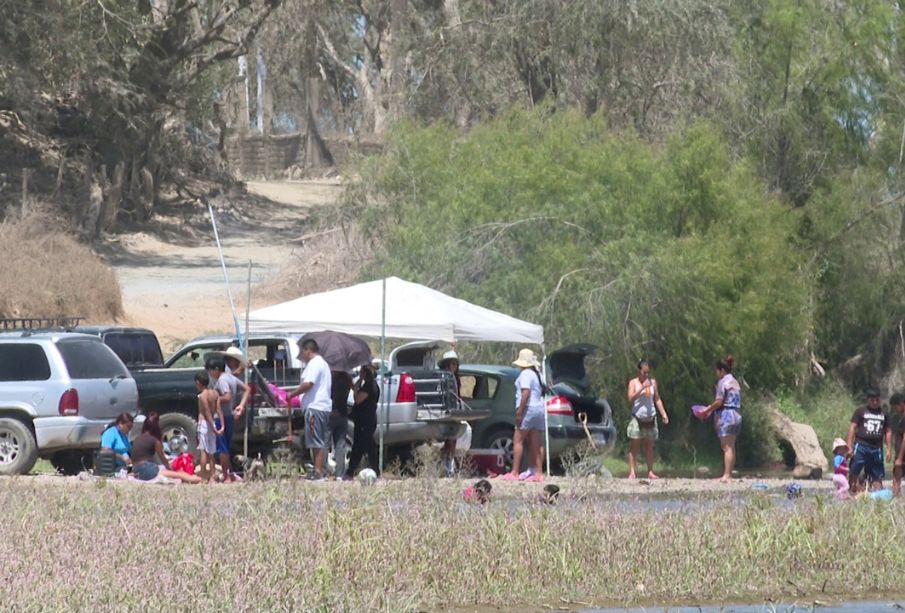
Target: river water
872, 606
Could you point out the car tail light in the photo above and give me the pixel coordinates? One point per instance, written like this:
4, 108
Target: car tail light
559, 405
406, 391
69, 402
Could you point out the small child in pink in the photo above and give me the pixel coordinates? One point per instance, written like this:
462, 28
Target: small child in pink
840, 468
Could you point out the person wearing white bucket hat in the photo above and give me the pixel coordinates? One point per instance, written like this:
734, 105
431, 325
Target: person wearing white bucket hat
530, 419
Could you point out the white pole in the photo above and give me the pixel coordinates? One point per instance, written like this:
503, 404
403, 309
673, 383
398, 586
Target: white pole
546, 426
383, 371
229, 291
245, 355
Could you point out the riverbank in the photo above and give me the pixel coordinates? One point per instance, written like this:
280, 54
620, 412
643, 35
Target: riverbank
415, 544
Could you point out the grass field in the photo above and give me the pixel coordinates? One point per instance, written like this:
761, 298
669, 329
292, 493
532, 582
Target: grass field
415, 545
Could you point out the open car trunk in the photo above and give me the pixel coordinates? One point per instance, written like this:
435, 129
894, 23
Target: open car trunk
569, 377
434, 388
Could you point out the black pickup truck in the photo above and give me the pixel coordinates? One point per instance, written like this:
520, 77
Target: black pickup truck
420, 407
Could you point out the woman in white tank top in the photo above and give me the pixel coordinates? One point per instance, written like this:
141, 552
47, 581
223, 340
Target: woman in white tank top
644, 397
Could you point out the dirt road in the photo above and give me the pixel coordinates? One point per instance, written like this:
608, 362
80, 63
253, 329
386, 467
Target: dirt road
172, 282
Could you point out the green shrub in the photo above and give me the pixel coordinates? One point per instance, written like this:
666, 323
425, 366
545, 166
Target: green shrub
672, 252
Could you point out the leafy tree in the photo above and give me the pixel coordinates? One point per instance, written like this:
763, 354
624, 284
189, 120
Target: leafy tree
672, 253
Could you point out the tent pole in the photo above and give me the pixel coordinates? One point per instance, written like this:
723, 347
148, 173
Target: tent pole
546, 425
229, 291
383, 371
245, 355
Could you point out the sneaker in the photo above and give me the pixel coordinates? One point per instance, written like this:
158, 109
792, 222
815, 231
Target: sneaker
526, 475
315, 477
535, 479
450, 467
509, 477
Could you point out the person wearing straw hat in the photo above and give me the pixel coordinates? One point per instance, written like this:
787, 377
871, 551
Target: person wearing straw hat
530, 420
840, 464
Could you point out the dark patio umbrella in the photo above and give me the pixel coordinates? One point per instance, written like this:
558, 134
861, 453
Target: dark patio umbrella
341, 351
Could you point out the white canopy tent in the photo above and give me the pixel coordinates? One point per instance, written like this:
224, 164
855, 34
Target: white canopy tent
413, 311
393, 308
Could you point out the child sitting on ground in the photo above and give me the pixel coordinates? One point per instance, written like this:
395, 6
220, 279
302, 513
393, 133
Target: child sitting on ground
840, 467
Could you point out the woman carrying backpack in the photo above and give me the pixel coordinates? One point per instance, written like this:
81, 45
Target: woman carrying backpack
530, 420
644, 396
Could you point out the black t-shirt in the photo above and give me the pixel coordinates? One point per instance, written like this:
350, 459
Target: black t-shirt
871, 427
368, 406
144, 449
341, 385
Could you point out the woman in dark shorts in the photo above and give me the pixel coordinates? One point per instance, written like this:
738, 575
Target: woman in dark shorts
147, 448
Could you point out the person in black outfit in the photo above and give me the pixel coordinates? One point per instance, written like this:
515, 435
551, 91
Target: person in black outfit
364, 413
869, 429
339, 418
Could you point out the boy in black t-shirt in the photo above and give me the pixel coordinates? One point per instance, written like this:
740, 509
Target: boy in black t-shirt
870, 426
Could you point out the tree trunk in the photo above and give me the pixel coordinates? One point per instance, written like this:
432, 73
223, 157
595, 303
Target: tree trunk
317, 154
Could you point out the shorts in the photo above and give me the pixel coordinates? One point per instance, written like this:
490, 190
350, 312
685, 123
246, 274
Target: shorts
728, 422
207, 439
869, 459
224, 441
146, 470
533, 420
636, 431
317, 423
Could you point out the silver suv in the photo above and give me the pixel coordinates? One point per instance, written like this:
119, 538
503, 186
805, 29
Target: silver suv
58, 391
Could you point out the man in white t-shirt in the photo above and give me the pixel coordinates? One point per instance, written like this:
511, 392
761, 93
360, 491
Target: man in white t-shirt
317, 402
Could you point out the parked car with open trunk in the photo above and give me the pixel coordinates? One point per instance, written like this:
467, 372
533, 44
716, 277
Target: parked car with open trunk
571, 399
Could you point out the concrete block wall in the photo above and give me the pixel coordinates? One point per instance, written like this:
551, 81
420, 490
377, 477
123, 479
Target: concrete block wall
256, 156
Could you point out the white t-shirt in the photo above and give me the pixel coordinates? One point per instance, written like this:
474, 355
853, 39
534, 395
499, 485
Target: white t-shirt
528, 379
318, 398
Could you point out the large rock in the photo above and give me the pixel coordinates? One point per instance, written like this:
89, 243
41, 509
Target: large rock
810, 461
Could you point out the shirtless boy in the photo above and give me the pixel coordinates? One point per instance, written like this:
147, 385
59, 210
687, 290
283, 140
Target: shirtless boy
208, 404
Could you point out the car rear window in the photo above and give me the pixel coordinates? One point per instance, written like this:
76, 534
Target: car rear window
135, 349
90, 359
23, 362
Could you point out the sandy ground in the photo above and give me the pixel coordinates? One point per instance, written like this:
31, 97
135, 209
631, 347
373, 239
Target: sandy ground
172, 281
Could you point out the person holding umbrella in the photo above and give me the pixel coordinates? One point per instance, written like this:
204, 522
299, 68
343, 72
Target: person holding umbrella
364, 414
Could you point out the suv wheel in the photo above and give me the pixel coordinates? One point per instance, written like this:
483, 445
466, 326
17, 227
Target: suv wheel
18, 448
180, 432
500, 439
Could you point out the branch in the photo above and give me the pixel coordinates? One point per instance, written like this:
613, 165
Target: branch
331, 51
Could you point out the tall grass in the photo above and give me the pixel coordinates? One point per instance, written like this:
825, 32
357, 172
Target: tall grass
46, 272
415, 545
